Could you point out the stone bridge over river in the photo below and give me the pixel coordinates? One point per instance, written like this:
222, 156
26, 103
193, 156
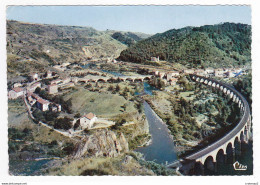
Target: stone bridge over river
225, 146
135, 78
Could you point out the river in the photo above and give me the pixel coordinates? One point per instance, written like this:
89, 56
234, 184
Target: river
161, 150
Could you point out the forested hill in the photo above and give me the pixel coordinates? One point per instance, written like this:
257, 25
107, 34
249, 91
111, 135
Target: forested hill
226, 44
127, 38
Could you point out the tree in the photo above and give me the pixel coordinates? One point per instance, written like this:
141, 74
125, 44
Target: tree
117, 88
63, 123
77, 115
110, 88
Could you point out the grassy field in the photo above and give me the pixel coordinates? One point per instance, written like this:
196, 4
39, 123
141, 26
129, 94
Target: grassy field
18, 118
188, 95
102, 104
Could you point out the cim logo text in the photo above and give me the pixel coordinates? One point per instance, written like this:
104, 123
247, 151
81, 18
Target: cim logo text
238, 166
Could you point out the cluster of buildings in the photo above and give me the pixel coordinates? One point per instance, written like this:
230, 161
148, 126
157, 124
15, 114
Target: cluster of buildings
62, 67
42, 104
59, 83
170, 77
220, 72
19, 90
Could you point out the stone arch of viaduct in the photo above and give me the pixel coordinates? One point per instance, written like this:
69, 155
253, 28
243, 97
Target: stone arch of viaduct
238, 134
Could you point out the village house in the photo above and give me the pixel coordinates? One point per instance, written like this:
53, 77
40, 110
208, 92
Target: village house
175, 73
34, 76
17, 85
49, 74
209, 70
219, 73
74, 79
153, 72
35, 96
70, 84
55, 107
65, 64
42, 104
58, 67
66, 80
171, 74
161, 74
57, 81
33, 87
15, 93
173, 81
188, 71
31, 100
237, 70
200, 72
155, 59
52, 89
88, 120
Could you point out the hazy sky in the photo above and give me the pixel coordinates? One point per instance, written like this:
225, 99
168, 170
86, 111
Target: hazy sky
147, 19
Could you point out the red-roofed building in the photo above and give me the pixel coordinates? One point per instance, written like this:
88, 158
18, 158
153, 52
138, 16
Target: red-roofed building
87, 120
33, 87
173, 81
15, 93
42, 104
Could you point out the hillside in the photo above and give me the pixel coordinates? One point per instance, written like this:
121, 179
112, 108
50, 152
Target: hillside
127, 38
226, 44
35, 46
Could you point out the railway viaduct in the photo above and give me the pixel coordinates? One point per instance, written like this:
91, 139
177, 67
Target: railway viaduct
210, 155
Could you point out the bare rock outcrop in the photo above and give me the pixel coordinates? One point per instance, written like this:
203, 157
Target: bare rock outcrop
101, 143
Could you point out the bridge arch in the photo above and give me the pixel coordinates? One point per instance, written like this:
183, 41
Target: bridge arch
242, 137
209, 163
147, 78
220, 157
101, 80
138, 80
129, 79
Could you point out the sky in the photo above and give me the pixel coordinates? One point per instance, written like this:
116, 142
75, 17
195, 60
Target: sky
146, 19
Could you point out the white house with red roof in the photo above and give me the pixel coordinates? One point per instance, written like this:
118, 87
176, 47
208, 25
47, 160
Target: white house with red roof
42, 104
88, 120
15, 93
